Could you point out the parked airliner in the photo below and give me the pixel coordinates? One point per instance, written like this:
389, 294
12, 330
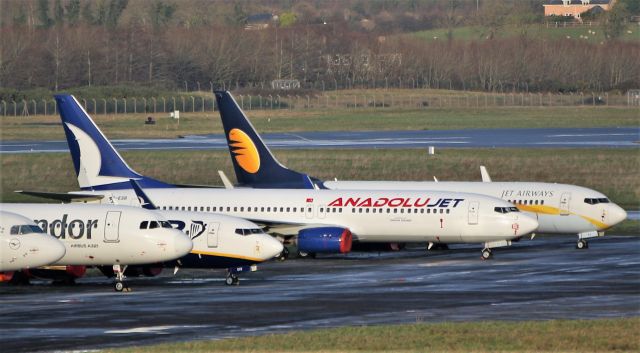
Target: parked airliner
24, 245
101, 235
559, 208
319, 220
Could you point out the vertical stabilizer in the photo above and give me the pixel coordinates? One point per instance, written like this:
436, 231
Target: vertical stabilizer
98, 165
252, 160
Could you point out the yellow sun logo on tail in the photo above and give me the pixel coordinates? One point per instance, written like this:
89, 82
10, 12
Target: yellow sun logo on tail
244, 151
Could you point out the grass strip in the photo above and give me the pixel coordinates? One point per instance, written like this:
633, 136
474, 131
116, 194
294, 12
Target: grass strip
603, 335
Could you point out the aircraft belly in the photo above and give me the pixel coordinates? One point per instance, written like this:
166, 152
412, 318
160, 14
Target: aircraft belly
556, 224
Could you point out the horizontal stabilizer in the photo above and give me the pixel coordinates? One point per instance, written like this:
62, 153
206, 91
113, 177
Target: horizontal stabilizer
59, 196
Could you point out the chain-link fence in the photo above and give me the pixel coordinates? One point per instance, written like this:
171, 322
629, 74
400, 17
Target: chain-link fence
329, 100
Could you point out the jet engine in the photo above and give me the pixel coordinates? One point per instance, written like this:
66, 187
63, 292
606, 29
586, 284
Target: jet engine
324, 240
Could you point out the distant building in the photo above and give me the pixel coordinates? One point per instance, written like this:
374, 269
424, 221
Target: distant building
575, 8
260, 21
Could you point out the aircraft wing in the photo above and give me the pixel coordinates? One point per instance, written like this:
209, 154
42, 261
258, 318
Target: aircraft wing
287, 227
61, 196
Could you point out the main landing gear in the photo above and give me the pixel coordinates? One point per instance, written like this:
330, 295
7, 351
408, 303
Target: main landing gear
119, 285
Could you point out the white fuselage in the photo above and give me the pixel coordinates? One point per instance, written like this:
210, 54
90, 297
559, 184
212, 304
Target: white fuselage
106, 234
222, 236
372, 216
559, 208
24, 245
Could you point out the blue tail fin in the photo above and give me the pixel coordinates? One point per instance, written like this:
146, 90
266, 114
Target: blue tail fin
98, 165
253, 163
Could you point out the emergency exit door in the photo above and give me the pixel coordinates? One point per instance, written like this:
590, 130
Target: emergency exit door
212, 235
565, 199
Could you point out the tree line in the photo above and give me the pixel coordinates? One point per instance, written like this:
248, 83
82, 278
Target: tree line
69, 49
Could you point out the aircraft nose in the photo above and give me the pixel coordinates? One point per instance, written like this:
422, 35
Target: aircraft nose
182, 244
55, 249
526, 225
616, 215
272, 247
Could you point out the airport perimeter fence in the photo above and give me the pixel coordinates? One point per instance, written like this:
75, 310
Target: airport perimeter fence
334, 100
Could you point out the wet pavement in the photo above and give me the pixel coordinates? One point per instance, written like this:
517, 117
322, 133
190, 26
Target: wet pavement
604, 137
541, 279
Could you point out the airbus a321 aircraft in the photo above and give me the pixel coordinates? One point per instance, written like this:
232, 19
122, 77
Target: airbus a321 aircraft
559, 208
319, 220
101, 235
24, 245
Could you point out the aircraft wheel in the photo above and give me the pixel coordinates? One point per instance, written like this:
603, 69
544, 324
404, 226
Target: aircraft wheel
119, 286
486, 254
582, 244
232, 279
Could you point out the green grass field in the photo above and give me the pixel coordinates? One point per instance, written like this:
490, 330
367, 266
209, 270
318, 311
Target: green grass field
610, 335
586, 167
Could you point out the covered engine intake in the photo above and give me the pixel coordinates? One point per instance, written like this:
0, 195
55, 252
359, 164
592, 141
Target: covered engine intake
325, 240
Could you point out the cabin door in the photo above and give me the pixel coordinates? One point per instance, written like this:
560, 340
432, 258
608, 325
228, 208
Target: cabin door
112, 227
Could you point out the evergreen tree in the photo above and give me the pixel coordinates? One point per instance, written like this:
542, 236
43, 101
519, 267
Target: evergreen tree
58, 13
43, 14
73, 12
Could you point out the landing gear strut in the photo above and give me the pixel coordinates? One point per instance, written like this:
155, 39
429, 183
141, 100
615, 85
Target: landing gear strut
582, 244
486, 254
283, 255
119, 285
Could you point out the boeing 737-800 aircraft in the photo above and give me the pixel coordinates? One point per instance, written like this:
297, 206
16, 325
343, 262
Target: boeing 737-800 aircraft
24, 245
100, 235
559, 208
320, 220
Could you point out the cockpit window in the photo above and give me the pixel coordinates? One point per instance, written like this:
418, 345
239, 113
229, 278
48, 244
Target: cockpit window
594, 201
25, 229
506, 209
144, 224
165, 224
248, 231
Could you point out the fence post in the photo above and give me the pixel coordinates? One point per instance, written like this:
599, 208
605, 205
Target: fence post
115, 100
35, 109
184, 108
135, 105
308, 102
193, 103
242, 102
203, 103
249, 102
606, 97
104, 107
125, 105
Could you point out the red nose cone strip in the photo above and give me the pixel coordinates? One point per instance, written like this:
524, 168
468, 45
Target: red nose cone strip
346, 239
76, 271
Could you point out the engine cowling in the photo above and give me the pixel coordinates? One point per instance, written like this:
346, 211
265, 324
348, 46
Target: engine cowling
63, 274
325, 240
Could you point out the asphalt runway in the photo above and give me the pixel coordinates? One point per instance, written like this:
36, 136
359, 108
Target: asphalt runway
541, 279
479, 138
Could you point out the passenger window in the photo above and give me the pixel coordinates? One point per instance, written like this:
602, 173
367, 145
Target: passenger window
448, 210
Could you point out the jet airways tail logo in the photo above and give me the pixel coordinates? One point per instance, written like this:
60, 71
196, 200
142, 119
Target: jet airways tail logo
244, 151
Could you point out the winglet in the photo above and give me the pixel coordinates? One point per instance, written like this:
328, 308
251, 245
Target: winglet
225, 181
485, 175
254, 164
